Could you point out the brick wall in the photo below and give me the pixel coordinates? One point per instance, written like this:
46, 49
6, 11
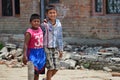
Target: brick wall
78, 21
17, 25
75, 15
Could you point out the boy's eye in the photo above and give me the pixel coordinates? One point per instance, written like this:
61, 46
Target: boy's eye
52, 13
36, 21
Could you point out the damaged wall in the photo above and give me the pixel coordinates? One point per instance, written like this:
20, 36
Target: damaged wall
75, 15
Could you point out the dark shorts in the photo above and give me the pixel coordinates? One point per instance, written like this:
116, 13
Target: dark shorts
53, 61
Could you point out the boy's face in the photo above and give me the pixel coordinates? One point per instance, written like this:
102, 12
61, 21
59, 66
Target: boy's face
35, 23
52, 14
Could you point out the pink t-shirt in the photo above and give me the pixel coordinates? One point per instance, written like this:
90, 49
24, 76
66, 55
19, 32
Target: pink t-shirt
36, 40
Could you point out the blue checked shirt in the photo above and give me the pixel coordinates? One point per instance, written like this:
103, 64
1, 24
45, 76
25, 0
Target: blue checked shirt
53, 35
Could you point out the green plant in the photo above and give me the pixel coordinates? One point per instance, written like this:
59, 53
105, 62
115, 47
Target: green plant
1, 46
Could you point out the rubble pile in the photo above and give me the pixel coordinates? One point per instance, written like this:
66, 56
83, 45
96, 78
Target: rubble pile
74, 57
11, 56
98, 58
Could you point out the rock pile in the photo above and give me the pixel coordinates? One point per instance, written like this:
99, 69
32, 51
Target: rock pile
11, 56
98, 58
74, 57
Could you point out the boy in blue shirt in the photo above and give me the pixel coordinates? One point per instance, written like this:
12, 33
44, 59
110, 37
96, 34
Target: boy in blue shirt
53, 41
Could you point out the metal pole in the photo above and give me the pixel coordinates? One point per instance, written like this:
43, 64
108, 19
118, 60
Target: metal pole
42, 9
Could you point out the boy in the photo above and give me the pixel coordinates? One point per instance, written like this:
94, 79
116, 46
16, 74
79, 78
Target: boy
33, 48
53, 41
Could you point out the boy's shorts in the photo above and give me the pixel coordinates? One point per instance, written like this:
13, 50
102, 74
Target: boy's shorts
38, 59
53, 61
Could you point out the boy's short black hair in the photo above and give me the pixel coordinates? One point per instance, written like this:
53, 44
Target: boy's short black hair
34, 16
50, 7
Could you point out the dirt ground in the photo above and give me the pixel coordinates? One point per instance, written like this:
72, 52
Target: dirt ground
7, 73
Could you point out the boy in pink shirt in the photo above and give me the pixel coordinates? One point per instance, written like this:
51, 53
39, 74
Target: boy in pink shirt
33, 46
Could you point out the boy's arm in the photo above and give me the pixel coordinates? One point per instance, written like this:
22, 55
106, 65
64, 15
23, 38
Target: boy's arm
60, 42
26, 40
43, 28
60, 39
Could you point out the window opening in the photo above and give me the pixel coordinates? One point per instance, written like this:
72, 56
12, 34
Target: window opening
7, 8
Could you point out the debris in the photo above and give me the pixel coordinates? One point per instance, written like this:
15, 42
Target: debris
107, 69
115, 74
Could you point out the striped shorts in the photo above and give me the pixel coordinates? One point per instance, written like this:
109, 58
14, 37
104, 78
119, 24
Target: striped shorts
53, 61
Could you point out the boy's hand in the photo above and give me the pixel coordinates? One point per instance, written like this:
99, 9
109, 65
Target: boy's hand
60, 54
45, 20
25, 60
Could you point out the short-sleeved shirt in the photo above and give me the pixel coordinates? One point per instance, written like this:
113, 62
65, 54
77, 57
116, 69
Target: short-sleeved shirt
36, 40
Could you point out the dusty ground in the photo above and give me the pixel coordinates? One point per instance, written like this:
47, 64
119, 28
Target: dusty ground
21, 74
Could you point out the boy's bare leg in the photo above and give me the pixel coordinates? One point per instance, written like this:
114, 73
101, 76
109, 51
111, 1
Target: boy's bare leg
36, 77
54, 72
50, 74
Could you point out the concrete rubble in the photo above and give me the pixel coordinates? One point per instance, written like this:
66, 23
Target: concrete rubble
97, 58
11, 56
74, 57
